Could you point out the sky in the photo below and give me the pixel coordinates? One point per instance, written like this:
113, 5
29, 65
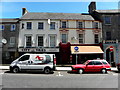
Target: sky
14, 9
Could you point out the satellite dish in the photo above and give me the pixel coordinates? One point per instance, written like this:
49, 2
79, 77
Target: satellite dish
4, 41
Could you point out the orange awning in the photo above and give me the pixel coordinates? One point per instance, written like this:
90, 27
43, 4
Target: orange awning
86, 50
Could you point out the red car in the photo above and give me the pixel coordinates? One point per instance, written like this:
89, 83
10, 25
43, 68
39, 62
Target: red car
92, 66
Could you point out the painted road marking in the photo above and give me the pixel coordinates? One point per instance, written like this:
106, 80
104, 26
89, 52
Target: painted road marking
59, 74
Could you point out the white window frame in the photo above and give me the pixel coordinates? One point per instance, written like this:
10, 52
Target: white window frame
81, 38
40, 28
37, 40
50, 40
78, 25
13, 29
2, 25
66, 24
65, 38
97, 38
12, 41
96, 25
26, 40
27, 26
54, 26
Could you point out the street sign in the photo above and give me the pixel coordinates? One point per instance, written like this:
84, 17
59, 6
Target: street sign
111, 48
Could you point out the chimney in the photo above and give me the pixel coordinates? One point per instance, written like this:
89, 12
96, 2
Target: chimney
24, 11
92, 7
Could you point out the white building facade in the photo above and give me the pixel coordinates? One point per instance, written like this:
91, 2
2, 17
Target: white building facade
43, 32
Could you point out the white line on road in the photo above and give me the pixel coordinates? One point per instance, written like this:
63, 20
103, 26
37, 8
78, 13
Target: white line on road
59, 74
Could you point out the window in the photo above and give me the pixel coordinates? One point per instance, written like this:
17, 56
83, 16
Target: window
2, 27
104, 62
52, 39
80, 24
81, 38
13, 26
28, 41
96, 37
22, 25
12, 41
97, 63
52, 25
40, 25
90, 63
23, 58
40, 41
48, 59
96, 25
107, 20
108, 35
64, 38
64, 24
29, 25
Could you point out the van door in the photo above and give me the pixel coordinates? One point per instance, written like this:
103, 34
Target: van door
23, 61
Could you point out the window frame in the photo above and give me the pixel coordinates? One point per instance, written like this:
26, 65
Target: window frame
13, 29
106, 22
40, 26
2, 27
29, 28
26, 40
52, 25
96, 40
38, 42
54, 41
12, 41
81, 38
62, 25
66, 38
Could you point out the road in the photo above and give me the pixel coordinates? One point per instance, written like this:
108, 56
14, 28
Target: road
59, 79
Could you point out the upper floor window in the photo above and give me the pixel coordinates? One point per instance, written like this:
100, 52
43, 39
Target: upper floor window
52, 40
40, 41
40, 25
13, 26
28, 41
107, 20
29, 25
96, 38
64, 24
108, 35
2, 27
96, 25
81, 38
64, 38
52, 25
80, 25
12, 41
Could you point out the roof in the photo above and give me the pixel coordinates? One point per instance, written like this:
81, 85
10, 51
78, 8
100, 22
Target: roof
108, 11
66, 16
8, 20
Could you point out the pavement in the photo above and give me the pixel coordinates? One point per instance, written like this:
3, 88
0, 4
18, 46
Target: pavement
57, 68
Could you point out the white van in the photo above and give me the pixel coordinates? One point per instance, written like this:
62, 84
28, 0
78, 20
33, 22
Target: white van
43, 62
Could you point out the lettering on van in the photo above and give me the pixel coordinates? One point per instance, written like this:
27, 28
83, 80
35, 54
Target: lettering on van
39, 58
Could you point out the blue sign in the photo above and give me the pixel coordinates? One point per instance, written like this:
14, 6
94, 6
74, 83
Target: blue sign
76, 48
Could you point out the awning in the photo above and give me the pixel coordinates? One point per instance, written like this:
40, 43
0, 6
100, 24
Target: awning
86, 50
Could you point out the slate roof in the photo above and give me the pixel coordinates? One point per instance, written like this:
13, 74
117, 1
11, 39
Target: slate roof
66, 16
9, 20
109, 11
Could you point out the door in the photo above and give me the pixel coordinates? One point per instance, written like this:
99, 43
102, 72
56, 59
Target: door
97, 66
23, 61
89, 67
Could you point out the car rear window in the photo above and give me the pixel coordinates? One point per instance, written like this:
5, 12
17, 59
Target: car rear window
104, 62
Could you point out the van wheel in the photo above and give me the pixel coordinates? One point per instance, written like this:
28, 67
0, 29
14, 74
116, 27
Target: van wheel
15, 70
80, 71
47, 70
104, 71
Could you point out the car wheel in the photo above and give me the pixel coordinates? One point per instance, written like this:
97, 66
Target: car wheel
15, 70
104, 71
80, 71
47, 70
